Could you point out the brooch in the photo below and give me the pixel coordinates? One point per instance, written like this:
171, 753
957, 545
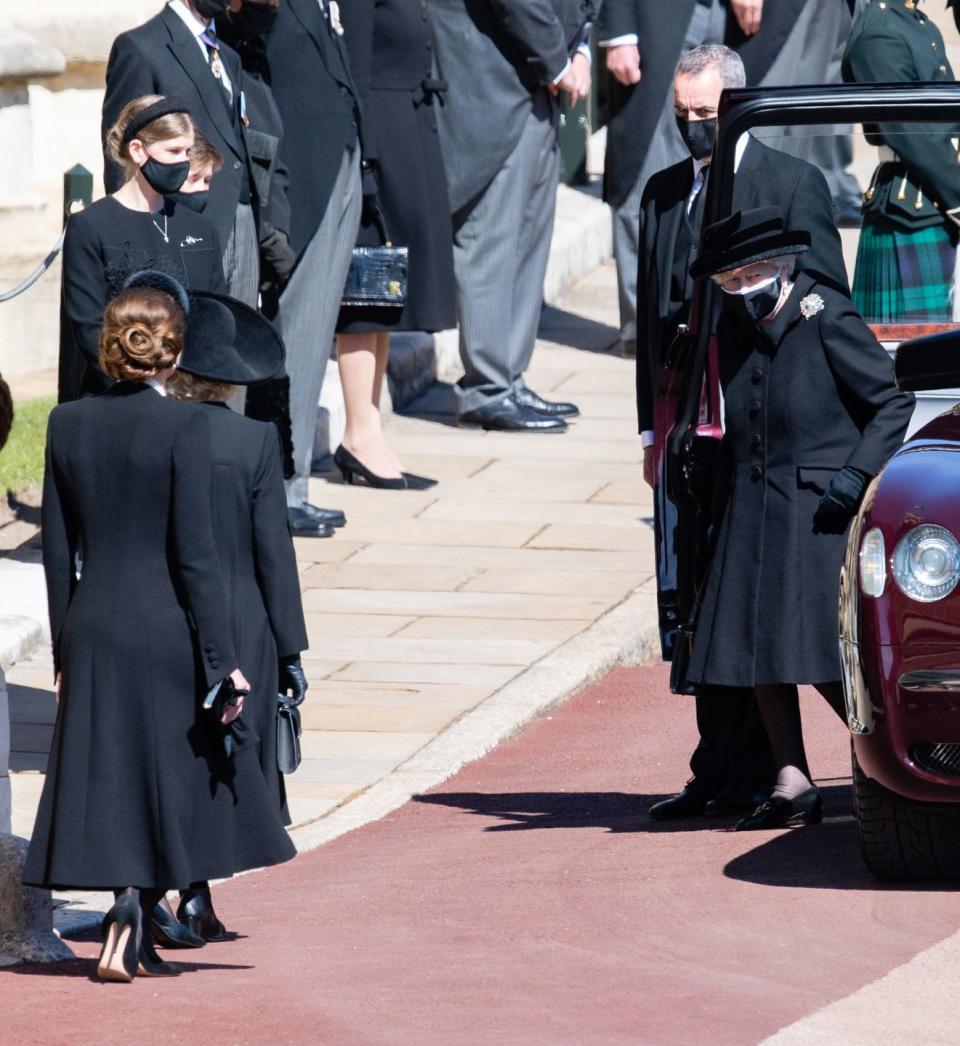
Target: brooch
811, 305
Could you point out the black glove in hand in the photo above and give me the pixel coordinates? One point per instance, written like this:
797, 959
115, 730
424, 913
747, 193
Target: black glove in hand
293, 679
277, 257
838, 506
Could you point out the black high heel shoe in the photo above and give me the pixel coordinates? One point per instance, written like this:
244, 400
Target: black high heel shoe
169, 932
196, 912
121, 940
805, 808
149, 964
352, 469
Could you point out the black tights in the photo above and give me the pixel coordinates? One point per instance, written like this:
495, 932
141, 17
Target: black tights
149, 898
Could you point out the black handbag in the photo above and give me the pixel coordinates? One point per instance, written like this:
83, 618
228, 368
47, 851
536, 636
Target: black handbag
378, 275
288, 736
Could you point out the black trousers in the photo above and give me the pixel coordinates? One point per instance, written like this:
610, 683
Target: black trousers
733, 750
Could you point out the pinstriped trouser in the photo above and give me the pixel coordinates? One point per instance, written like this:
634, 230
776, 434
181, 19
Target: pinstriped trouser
241, 266
501, 245
308, 314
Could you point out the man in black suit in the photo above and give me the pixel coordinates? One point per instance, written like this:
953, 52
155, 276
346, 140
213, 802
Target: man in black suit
505, 63
177, 53
732, 764
309, 74
642, 43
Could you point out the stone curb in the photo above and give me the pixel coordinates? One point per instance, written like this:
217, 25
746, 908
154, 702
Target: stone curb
19, 637
626, 635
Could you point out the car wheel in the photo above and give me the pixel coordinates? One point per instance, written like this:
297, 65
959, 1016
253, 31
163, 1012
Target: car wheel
904, 839
6, 412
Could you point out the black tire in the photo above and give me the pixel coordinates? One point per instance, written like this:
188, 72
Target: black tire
904, 839
6, 412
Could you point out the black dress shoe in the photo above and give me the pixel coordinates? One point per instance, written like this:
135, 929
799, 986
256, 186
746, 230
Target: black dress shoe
733, 802
805, 808
509, 415
149, 964
169, 932
303, 525
196, 913
526, 397
332, 516
689, 803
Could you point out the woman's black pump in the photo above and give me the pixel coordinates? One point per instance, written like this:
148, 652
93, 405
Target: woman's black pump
121, 939
196, 913
352, 469
169, 932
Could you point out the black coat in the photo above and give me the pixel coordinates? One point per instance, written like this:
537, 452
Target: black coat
391, 57
764, 178
802, 399
310, 78
106, 243
633, 112
162, 57
138, 791
258, 566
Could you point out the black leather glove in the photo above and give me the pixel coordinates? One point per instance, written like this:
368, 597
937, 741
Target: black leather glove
293, 679
839, 504
277, 257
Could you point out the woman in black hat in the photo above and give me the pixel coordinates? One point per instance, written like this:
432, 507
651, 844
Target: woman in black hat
811, 415
141, 226
228, 344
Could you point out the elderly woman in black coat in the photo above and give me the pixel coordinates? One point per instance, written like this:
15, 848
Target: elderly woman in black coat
141, 795
812, 414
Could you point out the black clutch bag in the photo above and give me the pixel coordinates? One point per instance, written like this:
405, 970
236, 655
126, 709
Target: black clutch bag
288, 736
378, 275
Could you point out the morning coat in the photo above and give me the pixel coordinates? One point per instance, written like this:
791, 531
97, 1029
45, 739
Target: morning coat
162, 57
804, 396
765, 177
138, 791
258, 567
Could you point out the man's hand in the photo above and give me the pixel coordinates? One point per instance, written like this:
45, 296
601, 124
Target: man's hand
748, 14
623, 62
576, 81
648, 466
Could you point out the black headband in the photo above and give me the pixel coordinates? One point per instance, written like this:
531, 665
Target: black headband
165, 107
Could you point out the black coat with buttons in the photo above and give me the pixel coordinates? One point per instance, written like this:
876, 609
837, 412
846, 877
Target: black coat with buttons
138, 790
391, 55
803, 397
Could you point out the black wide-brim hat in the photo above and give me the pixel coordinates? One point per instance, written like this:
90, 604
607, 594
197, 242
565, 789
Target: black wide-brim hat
229, 342
745, 237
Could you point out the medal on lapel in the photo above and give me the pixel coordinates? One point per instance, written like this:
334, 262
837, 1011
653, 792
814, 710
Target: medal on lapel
335, 24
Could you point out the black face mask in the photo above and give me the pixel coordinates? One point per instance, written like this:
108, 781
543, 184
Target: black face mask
698, 136
194, 201
757, 304
211, 8
165, 178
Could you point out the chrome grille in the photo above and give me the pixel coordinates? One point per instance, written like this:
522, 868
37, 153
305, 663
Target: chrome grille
938, 758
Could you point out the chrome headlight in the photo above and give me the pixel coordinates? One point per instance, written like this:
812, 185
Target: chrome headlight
926, 563
873, 563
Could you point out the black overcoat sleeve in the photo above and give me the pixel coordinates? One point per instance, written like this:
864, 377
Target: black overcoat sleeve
811, 208
276, 562
647, 359
617, 18
59, 531
128, 77
864, 375
84, 290
926, 149
533, 26
194, 550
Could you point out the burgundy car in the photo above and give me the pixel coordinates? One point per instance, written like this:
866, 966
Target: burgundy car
900, 588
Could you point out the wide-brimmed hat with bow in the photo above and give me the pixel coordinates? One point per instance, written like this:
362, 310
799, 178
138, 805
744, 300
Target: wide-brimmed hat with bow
230, 342
745, 237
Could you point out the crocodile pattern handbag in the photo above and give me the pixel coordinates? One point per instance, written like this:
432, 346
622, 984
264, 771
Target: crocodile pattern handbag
378, 275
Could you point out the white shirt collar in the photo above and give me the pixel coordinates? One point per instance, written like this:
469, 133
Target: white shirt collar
154, 384
189, 19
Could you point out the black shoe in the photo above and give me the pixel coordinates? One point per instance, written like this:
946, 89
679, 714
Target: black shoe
508, 415
847, 213
526, 397
197, 914
121, 940
353, 469
733, 802
331, 516
691, 802
149, 964
415, 482
805, 808
169, 932
303, 525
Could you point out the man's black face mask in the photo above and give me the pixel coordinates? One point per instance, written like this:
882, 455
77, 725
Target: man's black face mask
211, 8
698, 135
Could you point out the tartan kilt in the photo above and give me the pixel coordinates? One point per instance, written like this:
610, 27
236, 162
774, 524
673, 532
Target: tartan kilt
903, 276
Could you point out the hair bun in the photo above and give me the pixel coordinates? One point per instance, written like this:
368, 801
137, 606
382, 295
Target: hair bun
142, 334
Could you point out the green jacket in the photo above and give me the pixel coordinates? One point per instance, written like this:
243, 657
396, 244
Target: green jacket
893, 41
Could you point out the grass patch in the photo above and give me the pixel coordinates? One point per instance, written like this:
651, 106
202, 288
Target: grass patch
21, 460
